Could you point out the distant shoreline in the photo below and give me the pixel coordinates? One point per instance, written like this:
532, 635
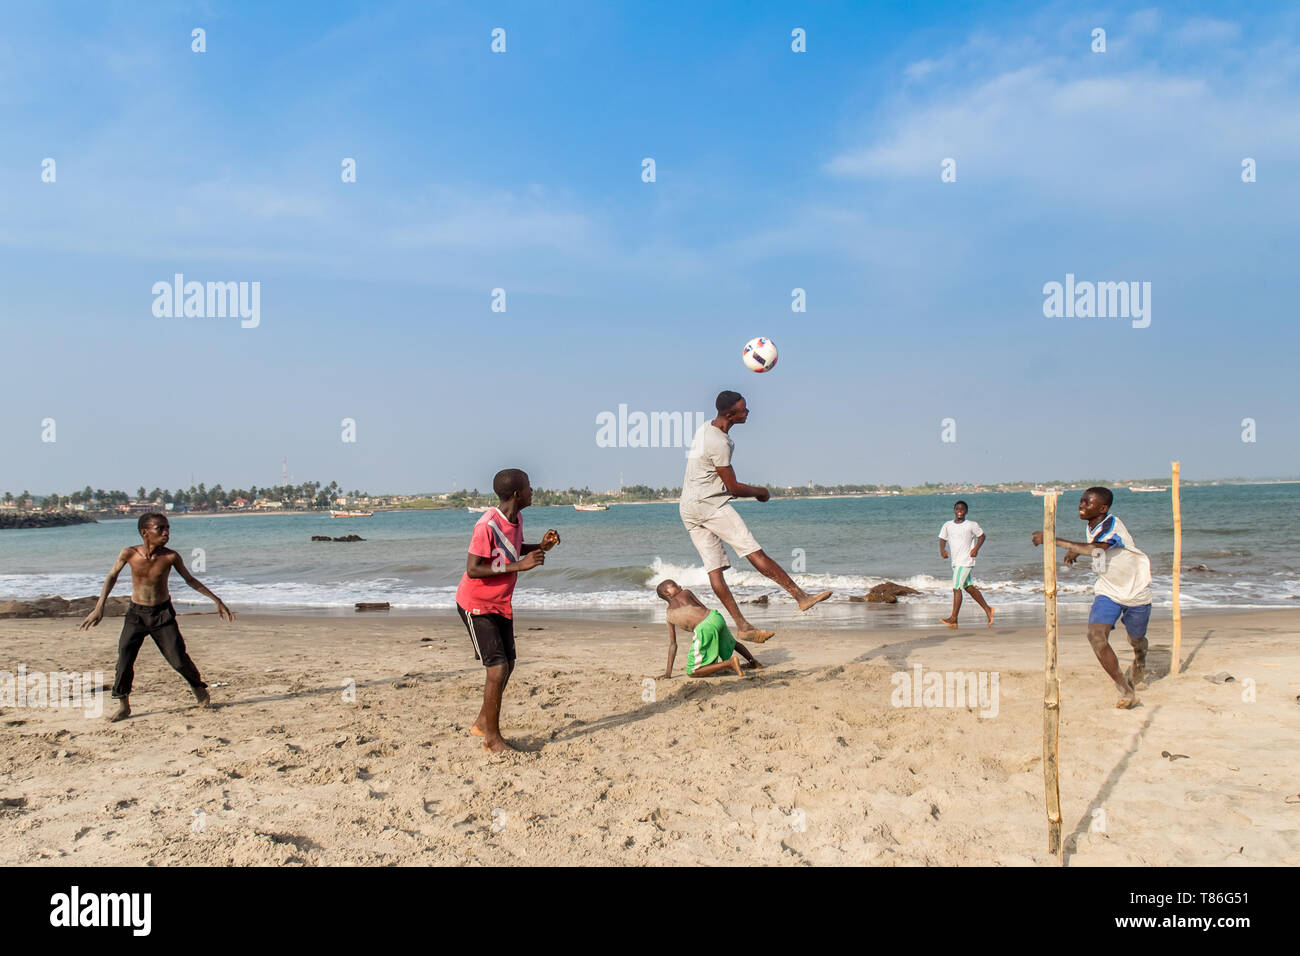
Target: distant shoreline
99, 516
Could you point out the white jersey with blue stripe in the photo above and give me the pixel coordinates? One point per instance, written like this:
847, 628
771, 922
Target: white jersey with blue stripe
1126, 578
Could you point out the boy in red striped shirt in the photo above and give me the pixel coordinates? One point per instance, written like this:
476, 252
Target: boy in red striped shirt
497, 554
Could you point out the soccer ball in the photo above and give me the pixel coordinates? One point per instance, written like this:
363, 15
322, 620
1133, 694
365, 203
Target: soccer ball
759, 355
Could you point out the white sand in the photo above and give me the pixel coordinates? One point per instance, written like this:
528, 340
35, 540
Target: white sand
806, 761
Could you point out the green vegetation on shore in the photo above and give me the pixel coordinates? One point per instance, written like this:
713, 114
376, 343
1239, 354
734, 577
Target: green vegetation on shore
313, 496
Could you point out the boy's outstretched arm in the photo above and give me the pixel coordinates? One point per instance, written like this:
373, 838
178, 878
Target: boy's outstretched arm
1074, 548
222, 611
672, 650
110, 582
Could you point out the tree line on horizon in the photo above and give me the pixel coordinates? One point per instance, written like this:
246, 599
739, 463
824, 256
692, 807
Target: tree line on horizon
197, 496
315, 495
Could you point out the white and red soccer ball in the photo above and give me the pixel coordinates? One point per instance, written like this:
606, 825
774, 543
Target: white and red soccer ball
759, 355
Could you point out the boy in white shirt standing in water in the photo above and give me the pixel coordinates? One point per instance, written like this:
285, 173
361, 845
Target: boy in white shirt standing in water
1123, 589
963, 539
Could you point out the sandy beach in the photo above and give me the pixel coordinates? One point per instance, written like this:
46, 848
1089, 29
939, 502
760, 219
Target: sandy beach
807, 761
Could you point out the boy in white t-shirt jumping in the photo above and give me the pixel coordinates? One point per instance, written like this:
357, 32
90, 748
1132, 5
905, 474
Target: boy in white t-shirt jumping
1123, 590
963, 539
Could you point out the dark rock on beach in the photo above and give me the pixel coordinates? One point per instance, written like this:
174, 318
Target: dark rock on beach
346, 537
887, 593
58, 607
43, 519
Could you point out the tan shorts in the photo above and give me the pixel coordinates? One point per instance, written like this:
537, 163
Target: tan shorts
725, 524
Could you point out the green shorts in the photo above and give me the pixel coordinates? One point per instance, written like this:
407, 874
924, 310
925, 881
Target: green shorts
712, 643
962, 577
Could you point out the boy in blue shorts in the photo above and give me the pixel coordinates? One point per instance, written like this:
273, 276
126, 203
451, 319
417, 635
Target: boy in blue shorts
1123, 590
713, 649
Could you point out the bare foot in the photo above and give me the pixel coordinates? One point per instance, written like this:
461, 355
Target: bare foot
123, 712
1128, 701
475, 731
202, 696
753, 666
812, 599
735, 665
989, 612
754, 635
1138, 676
947, 620
497, 746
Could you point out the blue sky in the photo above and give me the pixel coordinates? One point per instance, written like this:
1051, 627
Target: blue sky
522, 170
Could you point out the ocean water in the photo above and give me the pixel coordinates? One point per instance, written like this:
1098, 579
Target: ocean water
609, 562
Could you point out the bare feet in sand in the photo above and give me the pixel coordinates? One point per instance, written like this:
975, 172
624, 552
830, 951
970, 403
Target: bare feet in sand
947, 620
811, 599
989, 612
202, 696
753, 666
735, 665
1137, 676
475, 731
754, 635
123, 712
497, 746
1128, 701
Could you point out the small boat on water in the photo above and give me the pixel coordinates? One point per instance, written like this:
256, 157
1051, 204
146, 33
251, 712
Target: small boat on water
591, 507
1040, 491
352, 514
478, 511
1140, 488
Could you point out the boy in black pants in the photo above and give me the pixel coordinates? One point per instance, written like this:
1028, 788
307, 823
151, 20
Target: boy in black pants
151, 612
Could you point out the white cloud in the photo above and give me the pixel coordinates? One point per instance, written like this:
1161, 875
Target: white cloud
1141, 134
921, 68
1207, 30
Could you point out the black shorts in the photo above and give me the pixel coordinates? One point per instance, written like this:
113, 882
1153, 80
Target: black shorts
493, 637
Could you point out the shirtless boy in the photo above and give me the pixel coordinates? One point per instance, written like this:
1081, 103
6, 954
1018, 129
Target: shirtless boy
151, 612
713, 649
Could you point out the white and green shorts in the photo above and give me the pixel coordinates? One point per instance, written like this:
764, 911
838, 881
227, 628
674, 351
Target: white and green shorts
962, 576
